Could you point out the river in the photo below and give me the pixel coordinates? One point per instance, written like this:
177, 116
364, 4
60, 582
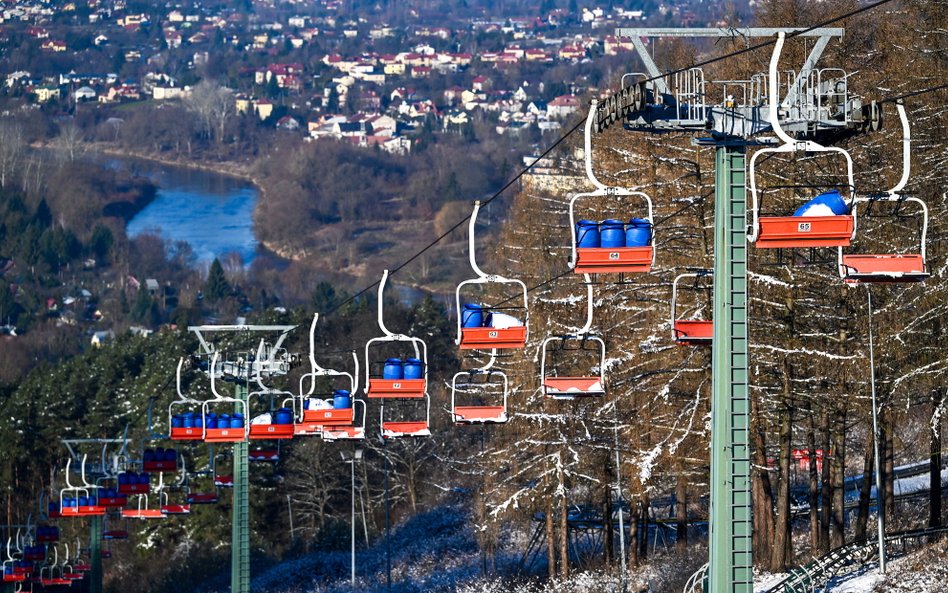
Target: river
211, 212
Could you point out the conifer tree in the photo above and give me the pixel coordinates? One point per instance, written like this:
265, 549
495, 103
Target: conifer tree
217, 286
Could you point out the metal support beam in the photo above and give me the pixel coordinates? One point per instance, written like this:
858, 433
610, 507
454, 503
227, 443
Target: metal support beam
730, 562
650, 67
725, 32
240, 527
808, 65
95, 555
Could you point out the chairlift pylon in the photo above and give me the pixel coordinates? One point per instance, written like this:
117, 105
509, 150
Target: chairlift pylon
481, 326
479, 413
797, 231
890, 267
630, 247
689, 332
571, 387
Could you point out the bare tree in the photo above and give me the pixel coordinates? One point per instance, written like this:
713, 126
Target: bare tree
70, 142
213, 105
12, 145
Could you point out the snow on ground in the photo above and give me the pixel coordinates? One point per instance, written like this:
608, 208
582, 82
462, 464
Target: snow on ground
922, 571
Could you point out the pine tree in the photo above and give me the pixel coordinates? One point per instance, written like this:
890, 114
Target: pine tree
217, 286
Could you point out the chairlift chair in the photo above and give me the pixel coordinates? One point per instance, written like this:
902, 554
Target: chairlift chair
405, 428
51, 575
689, 332
313, 420
797, 231
141, 511
193, 498
475, 330
111, 533
890, 267
353, 431
585, 259
270, 431
72, 506
380, 387
166, 507
226, 434
69, 570
274, 429
571, 387
154, 466
465, 385
184, 432
14, 568
202, 498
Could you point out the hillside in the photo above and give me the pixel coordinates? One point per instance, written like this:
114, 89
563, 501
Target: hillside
575, 482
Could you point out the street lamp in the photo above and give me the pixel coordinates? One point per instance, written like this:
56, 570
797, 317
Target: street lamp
880, 501
351, 459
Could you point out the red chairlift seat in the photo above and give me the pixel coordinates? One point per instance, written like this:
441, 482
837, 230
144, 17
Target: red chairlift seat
175, 509
47, 538
83, 511
224, 481
202, 498
259, 432
891, 267
570, 387
690, 332
380, 387
225, 435
805, 231
694, 332
160, 466
268, 455
105, 554
479, 414
488, 338
112, 502
54, 582
609, 260
187, 434
396, 388
301, 429
73, 575
134, 489
14, 577
333, 433
142, 514
796, 231
330, 416
394, 429
408, 422
117, 534
82, 567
